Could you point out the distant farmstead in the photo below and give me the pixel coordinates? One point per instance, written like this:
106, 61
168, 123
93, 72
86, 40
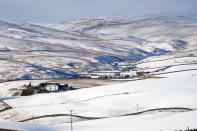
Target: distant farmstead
54, 87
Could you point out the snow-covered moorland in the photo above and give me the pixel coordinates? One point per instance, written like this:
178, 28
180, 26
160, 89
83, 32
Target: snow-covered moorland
69, 49
160, 49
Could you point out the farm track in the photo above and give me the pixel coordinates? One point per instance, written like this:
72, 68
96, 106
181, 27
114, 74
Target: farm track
93, 98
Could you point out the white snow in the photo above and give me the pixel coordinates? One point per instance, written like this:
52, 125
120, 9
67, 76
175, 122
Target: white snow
150, 122
38, 52
28, 126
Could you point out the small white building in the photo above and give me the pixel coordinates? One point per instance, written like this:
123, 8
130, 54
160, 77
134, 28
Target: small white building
52, 87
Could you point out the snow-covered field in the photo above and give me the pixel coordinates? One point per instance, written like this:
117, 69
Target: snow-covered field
103, 101
114, 105
160, 49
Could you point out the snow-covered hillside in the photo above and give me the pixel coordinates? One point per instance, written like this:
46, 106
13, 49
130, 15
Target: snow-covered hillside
155, 54
136, 105
69, 49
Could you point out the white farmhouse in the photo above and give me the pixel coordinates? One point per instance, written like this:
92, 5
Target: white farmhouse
51, 87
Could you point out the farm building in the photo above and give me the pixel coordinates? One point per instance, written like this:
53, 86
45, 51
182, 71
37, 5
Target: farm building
53, 87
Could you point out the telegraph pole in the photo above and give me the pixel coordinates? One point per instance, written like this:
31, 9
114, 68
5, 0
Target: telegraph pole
71, 120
